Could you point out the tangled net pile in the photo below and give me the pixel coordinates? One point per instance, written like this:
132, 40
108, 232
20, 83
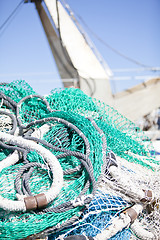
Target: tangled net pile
72, 165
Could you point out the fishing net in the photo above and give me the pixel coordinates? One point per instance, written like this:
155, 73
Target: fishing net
72, 166
98, 216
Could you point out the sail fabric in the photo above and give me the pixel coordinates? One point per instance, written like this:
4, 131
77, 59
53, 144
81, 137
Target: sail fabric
63, 62
83, 58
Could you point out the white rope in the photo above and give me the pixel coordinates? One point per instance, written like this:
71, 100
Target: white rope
10, 160
118, 224
140, 232
14, 157
51, 161
11, 205
39, 132
125, 185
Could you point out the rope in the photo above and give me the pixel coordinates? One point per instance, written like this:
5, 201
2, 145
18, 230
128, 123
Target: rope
52, 162
11, 15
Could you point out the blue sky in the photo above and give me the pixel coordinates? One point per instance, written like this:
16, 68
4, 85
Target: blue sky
132, 27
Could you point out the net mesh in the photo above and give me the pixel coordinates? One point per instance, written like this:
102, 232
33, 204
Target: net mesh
73, 126
102, 209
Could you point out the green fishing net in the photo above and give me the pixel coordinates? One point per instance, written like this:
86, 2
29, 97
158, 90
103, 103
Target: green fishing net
61, 113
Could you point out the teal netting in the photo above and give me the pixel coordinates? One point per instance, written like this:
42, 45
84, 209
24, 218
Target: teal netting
80, 132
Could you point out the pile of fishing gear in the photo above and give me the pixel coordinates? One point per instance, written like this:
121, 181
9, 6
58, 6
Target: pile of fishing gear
73, 167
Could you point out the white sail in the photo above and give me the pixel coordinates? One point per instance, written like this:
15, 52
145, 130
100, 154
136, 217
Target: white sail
64, 64
91, 72
76, 59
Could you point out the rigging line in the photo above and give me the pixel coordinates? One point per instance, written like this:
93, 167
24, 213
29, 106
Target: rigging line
154, 69
110, 47
11, 15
